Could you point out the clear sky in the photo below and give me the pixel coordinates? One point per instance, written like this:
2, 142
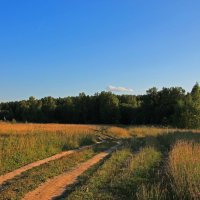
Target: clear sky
63, 47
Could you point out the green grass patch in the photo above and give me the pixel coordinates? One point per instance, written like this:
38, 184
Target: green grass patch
19, 150
104, 175
120, 176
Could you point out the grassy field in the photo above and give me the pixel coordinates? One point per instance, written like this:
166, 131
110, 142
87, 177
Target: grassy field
120, 176
21, 144
152, 163
184, 168
159, 164
24, 143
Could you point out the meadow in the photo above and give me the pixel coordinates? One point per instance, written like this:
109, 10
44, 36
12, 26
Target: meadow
150, 168
24, 143
151, 162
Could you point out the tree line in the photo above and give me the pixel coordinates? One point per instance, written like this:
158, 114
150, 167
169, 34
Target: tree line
168, 107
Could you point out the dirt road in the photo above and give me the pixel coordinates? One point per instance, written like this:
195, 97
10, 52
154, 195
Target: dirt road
57, 186
16, 172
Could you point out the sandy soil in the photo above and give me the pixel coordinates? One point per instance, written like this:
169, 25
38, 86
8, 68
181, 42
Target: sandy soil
57, 186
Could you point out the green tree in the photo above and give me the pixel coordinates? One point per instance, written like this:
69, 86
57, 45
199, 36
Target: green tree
48, 109
109, 108
190, 112
127, 112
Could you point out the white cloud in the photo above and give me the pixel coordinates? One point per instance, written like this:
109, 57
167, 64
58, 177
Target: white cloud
118, 89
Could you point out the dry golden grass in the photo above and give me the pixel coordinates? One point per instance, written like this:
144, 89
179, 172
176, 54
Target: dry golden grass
184, 168
142, 131
24, 143
21, 128
118, 132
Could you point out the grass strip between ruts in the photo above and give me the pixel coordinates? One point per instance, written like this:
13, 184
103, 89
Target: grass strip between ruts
31, 179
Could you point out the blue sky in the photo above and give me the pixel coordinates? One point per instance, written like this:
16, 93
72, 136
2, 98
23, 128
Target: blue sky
63, 47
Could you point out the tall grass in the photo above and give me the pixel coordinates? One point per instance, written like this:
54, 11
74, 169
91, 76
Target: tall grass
145, 174
151, 192
143, 131
24, 143
168, 140
22, 128
184, 168
118, 132
149, 175
138, 171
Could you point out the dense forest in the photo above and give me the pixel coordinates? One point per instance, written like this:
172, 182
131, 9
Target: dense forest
168, 107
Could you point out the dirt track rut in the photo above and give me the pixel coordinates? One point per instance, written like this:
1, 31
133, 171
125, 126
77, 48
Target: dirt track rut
57, 186
17, 172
